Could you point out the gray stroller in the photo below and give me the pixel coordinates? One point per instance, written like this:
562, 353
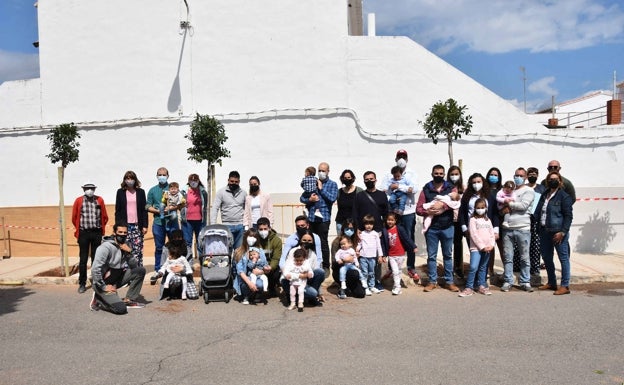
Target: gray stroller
215, 257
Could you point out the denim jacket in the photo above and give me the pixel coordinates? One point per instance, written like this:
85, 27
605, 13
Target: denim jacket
558, 212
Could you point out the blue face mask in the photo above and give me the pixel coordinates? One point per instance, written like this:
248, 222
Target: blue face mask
348, 232
162, 179
493, 179
518, 180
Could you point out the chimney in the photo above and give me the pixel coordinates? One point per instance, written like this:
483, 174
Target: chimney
354, 17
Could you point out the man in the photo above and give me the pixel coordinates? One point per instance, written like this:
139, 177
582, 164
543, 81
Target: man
231, 201
408, 219
374, 202
568, 187
159, 225
109, 273
302, 225
518, 230
323, 202
441, 231
271, 243
89, 218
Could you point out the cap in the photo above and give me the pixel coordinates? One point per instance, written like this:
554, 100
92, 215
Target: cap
88, 185
401, 154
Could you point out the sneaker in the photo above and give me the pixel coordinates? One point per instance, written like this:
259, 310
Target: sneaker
153, 279
82, 289
134, 304
300, 308
527, 287
368, 291
375, 290
413, 275
467, 292
341, 294
246, 301
292, 306
379, 287
94, 305
430, 287
506, 287
484, 290
396, 291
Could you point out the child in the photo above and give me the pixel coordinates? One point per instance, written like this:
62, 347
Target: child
309, 184
396, 241
254, 262
481, 244
451, 200
346, 257
175, 259
503, 197
369, 249
397, 198
297, 271
171, 200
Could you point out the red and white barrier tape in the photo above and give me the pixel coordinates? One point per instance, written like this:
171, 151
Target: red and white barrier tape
599, 199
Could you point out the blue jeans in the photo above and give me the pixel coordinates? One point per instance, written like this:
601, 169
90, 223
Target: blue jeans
313, 287
237, 233
445, 238
347, 267
159, 241
368, 270
523, 239
563, 252
190, 228
408, 222
478, 268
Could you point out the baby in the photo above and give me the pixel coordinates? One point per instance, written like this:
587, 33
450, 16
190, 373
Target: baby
171, 200
346, 257
309, 184
451, 200
503, 197
175, 259
254, 262
397, 197
297, 271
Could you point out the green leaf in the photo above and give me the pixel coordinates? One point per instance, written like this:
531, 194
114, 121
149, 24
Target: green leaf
64, 144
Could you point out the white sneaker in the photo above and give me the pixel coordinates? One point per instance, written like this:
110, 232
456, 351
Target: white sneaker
396, 291
368, 291
246, 301
375, 290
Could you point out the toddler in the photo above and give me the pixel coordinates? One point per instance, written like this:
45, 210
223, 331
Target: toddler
481, 244
309, 184
503, 197
254, 262
297, 271
397, 198
171, 200
397, 241
175, 259
346, 257
369, 248
451, 200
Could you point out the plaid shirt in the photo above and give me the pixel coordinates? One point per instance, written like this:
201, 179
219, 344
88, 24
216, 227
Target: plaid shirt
90, 214
328, 195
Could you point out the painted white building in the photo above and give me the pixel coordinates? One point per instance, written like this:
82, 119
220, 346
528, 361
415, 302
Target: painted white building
290, 85
589, 110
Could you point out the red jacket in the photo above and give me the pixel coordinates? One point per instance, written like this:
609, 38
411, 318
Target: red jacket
76, 214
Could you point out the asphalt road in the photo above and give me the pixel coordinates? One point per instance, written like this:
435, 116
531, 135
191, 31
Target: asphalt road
49, 336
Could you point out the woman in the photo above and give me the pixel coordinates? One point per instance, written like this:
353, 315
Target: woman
347, 227
346, 197
313, 288
130, 208
493, 180
257, 205
454, 177
554, 218
194, 216
535, 253
245, 289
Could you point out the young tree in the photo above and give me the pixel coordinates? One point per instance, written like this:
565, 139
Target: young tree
64, 149
207, 136
447, 120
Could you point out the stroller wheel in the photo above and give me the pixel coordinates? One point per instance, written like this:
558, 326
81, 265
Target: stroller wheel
227, 296
206, 298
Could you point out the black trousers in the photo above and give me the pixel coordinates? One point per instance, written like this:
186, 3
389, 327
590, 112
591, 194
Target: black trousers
88, 241
322, 230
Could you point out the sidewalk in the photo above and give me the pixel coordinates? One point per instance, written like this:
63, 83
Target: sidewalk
586, 268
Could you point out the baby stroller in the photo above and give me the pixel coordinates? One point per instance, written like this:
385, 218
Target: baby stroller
215, 257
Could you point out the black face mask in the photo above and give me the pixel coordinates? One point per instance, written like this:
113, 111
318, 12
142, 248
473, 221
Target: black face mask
438, 179
370, 184
553, 184
347, 182
254, 189
121, 239
306, 245
233, 187
532, 179
301, 231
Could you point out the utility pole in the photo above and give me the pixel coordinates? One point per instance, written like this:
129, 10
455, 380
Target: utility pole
524, 86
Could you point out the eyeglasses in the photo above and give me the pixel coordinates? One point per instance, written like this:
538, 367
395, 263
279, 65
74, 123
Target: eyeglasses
550, 168
161, 174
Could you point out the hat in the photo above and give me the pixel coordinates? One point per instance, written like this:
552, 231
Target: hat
88, 185
401, 154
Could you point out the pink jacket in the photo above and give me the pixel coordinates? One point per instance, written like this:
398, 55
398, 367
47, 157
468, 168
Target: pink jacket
266, 208
481, 233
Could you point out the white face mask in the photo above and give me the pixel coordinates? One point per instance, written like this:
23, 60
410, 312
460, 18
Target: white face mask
401, 163
129, 182
263, 233
454, 178
89, 192
477, 186
251, 241
480, 211
193, 184
322, 175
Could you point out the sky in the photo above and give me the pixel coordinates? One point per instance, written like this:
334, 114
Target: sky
567, 48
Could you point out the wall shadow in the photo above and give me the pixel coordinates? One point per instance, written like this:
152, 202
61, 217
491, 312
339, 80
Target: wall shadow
175, 95
11, 297
596, 234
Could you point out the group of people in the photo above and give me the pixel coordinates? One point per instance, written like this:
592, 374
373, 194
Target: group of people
523, 219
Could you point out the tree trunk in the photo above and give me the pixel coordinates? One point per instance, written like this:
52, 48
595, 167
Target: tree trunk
209, 189
450, 151
64, 259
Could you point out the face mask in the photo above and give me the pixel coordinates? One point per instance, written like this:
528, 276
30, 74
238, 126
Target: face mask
233, 187
301, 231
518, 180
254, 189
553, 184
454, 178
162, 179
129, 182
477, 186
493, 179
347, 182
89, 192
369, 184
121, 239
401, 163
251, 241
438, 179
480, 211
194, 184
322, 175
306, 245
532, 179
263, 233
349, 232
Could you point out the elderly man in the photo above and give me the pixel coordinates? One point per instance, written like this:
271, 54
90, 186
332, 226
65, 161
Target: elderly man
518, 230
568, 187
